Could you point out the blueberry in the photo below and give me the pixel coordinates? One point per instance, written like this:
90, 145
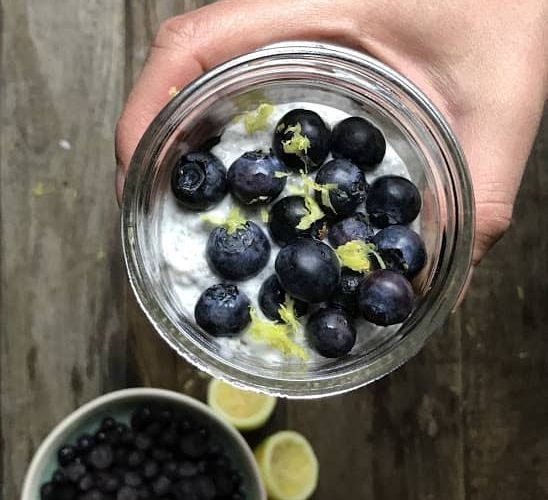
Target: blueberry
392, 200
121, 456
272, 296
127, 493
240, 255
223, 480
143, 441
141, 417
107, 482
101, 436
150, 469
65, 491
198, 181
161, 454
168, 438
74, 471
222, 310
66, 454
252, 177
346, 294
194, 445
358, 140
58, 477
187, 469
285, 216
135, 458
100, 457
351, 187
85, 442
301, 140
385, 298
204, 487
352, 228
132, 479
92, 495
154, 429
86, 482
330, 332
308, 270
161, 486
402, 249
108, 423
47, 492
170, 469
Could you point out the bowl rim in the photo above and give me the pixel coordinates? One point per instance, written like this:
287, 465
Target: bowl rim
41, 454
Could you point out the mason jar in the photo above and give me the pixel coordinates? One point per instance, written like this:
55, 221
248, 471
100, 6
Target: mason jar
354, 83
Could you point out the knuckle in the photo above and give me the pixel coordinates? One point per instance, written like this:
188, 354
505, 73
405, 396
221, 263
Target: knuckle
178, 31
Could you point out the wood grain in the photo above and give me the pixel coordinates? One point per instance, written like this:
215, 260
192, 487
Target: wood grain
62, 316
465, 419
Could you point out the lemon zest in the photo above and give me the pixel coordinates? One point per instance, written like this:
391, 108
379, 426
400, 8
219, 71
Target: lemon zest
288, 315
355, 255
314, 214
323, 189
280, 175
258, 119
275, 335
298, 143
231, 223
265, 215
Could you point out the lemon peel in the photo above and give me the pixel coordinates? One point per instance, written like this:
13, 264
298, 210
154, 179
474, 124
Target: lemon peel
298, 143
355, 255
276, 335
258, 119
231, 223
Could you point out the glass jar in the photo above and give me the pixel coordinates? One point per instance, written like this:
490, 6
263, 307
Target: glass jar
347, 80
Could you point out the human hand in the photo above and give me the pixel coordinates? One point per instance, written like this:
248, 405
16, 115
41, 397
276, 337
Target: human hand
483, 64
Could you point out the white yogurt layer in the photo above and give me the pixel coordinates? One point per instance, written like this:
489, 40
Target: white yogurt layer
184, 234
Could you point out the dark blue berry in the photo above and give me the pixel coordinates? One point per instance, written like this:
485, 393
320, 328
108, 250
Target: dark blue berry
272, 296
222, 310
121, 456
154, 429
127, 493
311, 127
100, 436
150, 469
65, 491
132, 479
385, 298
252, 177
350, 191
66, 454
358, 140
108, 423
392, 200
187, 469
240, 255
352, 228
204, 487
47, 492
198, 181
143, 442
224, 482
308, 270
330, 332
346, 294
100, 457
194, 445
107, 482
74, 471
285, 215
135, 458
58, 477
161, 454
402, 249
161, 486
141, 417
170, 469
86, 482
84, 443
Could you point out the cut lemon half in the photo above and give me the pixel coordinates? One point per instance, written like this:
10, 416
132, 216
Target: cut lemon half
288, 466
245, 410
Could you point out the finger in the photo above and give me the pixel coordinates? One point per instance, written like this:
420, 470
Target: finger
188, 45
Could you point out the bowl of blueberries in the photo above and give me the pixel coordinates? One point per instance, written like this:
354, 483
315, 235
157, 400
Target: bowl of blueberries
143, 443
298, 220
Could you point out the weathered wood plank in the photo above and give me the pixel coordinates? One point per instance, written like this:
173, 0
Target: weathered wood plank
151, 361
61, 313
505, 353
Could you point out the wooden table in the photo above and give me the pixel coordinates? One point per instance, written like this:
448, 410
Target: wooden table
466, 419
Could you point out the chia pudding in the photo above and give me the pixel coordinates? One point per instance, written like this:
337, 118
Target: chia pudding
184, 237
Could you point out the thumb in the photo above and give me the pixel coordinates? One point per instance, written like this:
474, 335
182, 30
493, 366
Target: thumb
188, 45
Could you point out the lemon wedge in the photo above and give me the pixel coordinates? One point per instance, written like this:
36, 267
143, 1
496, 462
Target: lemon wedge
288, 466
245, 410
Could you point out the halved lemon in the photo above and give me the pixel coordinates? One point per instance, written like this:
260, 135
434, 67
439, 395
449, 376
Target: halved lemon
245, 410
288, 466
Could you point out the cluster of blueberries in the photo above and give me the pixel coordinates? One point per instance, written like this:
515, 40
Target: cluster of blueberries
307, 266
163, 455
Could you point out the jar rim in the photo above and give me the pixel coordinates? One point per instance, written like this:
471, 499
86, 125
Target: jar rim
337, 383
